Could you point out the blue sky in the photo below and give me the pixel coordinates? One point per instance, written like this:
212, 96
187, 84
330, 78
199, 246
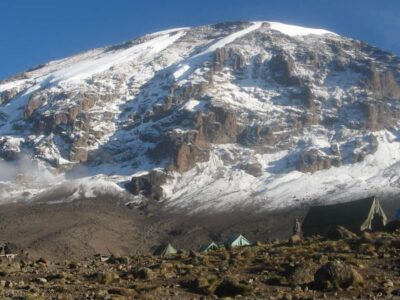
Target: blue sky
34, 32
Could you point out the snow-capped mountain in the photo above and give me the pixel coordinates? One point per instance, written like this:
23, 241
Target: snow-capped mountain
217, 117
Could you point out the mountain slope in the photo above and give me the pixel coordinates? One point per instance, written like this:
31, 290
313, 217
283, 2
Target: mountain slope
227, 116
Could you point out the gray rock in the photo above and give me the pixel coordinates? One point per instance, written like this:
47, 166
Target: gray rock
337, 274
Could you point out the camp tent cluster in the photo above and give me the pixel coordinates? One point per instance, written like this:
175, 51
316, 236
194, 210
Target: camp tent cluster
235, 241
356, 216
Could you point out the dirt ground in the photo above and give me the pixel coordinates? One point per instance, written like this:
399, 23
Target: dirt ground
83, 228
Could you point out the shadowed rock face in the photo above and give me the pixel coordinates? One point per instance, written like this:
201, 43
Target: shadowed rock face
282, 68
7, 95
379, 115
254, 169
149, 185
187, 156
172, 101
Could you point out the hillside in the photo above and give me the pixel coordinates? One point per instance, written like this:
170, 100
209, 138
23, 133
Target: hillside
237, 115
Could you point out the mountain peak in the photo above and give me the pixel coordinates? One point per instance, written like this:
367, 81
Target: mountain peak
236, 114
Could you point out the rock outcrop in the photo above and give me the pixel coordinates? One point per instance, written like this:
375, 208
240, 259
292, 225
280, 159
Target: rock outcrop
314, 160
282, 67
148, 185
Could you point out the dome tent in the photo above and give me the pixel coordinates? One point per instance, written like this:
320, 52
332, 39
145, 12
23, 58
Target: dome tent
165, 250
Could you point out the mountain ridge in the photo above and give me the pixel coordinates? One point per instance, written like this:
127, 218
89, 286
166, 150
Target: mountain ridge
216, 117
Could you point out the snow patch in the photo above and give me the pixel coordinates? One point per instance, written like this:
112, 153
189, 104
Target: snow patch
103, 62
293, 30
194, 105
168, 31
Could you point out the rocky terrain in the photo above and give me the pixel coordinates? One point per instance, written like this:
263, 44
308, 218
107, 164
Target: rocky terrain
348, 267
213, 118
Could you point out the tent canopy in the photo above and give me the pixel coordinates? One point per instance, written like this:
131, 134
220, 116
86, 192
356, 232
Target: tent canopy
237, 241
357, 216
165, 250
208, 247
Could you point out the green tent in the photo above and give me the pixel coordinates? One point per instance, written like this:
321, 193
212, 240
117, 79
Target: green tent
165, 250
237, 241
210, 246
356, 216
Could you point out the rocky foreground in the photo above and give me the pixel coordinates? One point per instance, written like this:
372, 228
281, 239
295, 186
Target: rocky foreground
351, 267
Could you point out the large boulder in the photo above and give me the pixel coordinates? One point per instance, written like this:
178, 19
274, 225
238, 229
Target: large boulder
337, 274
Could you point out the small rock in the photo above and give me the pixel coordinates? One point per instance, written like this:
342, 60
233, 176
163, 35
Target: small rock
366, 237
41, 261
302, 273
122, 291
145, 273
294, 239
40, 280
388, 283
107, 277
